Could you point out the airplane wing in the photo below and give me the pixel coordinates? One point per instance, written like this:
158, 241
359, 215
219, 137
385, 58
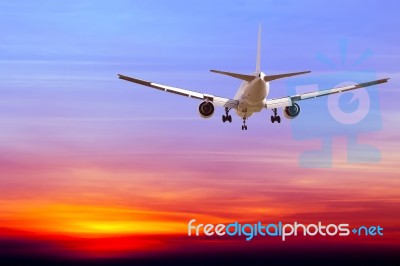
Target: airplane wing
288, 101
218, 101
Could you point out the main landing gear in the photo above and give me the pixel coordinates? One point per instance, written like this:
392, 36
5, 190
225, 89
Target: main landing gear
227, 116
244, 126
275, 117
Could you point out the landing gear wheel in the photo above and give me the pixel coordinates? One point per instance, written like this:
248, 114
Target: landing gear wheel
275, 117
244, 127
227, 117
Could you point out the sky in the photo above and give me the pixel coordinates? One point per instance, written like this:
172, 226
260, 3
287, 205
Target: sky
84, 155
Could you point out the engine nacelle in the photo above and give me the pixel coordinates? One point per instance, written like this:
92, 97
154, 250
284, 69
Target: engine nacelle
206, 109
291, 112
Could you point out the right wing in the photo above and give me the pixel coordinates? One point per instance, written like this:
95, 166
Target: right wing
219, 101
288, 101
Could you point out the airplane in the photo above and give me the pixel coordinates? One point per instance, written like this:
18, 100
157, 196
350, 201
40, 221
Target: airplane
251, 97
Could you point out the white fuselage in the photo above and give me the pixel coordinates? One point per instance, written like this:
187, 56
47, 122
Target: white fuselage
252, 96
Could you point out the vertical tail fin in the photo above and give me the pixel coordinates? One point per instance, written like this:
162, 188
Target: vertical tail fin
259, 50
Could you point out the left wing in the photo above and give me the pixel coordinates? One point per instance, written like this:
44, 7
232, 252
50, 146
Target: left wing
288, 101
219, 101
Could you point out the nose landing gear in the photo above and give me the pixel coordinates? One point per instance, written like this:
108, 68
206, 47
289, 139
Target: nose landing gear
244, 126
275, 117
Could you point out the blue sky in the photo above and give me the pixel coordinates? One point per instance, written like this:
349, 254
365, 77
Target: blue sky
195, 35
60, 59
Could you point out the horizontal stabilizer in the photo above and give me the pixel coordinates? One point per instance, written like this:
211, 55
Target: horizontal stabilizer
279, 76
247, 78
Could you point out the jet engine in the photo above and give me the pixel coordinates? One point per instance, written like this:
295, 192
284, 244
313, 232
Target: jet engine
291, 112
206, 109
